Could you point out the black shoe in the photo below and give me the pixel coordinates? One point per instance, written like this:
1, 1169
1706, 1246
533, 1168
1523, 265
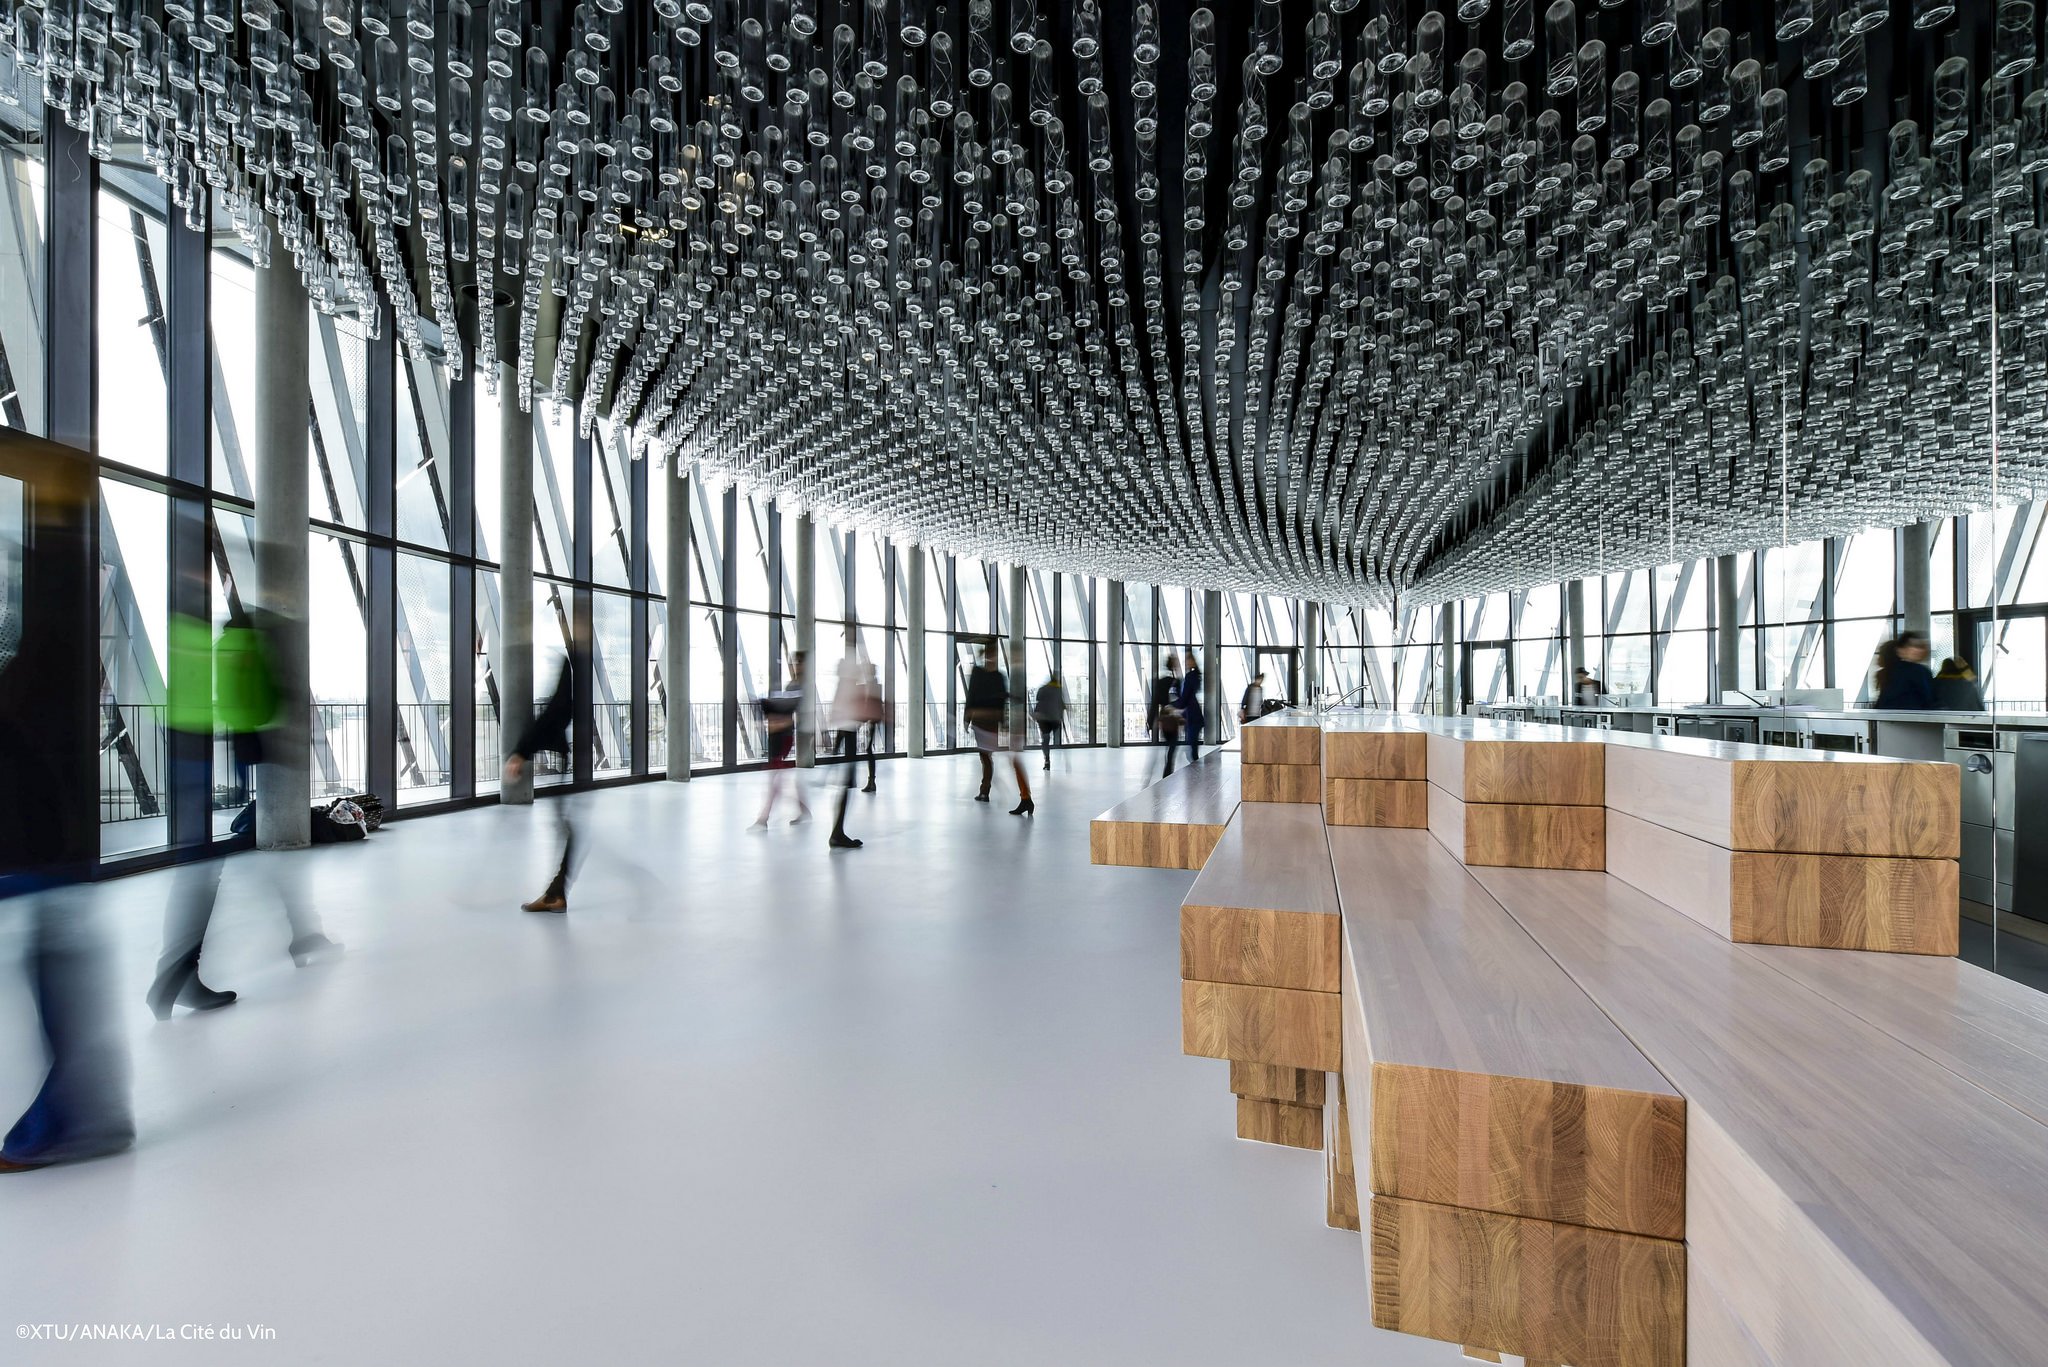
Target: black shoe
547, 901
870, 788
306, 948
1048, 766
1024, 808
981, 797
845, 842
200, 997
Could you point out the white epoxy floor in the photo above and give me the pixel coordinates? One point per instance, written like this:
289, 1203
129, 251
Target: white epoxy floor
750, 1102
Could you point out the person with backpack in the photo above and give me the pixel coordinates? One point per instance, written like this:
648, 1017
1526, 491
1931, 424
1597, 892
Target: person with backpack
1049, 710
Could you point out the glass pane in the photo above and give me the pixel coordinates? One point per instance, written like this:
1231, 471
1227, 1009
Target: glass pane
490, 469
422, 684
752, 569
1791, 582
490, 750
971, 613
1792, 657
130, 330
657, 684
1539, 668
829, 546
1864, 575
340, 669
134, 640
1542, 612
1682, 669
2017, 680
421, 497
23, 201
611, 513
1682, 593
753, 685
707, 689
1941, 567
659, 475
707, 544
1486, 619
231, 326
337, 472
1856, 644
554, 489
1628, 606
611, 621
553, 628
1628, 663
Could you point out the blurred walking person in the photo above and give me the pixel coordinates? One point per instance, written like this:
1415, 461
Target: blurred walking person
1164, 716
1049, 710
1017, 720
548, 733
872, 709
782, 714
845, 722
1192, 712
988, 700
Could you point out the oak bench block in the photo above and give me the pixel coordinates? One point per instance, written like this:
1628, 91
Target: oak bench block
1261, 1025
1519, 835
1280, 1122
1376, 802
1282, 738
1589, 1297
1393, 755
1266, 1082
1263, 911
1818, 901
1297, 783
1173, 823
1479, 762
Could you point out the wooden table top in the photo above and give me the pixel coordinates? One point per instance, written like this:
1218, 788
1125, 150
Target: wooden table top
1272, 857
1201, 794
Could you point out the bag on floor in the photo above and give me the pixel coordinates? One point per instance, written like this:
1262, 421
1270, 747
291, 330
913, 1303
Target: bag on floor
338, 821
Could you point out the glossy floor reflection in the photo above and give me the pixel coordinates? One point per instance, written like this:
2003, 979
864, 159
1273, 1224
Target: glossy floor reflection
750, 1102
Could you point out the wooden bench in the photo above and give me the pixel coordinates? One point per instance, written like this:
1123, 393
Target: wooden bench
1852, 1197
1375, 770
1170, 824
1259, 969
1517, 796
1525, 1163
1789, 847
1283, 758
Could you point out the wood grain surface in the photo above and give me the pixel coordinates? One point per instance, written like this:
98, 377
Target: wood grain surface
1400, 803
1261, 948
1528, 836
1822, 901
1272, 857
1268, 1083
1801, 802
1340, 1199
1590, 1297
1261, 1025
1172, 823
1376, 754
1484, 1075
1282, 782
1712, 1332
1283, 738
1280, 1122
1855, 1200
1558, 773
1844, 901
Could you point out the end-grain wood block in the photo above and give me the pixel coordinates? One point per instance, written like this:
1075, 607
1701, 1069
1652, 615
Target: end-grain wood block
1171, 824
1590, 1297
1340, 1199
1398, 755
1485, 1077
1855, 1198
1393, 802
1264, 911
1284, 738
1818, 901
1560, 772
1261, 1025
1279, 1122
1298, 783
1263, 1081
1821, 802
1519, 835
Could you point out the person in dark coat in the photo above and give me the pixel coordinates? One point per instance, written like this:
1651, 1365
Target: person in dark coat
1049, 710
548, 733
1955, 688
1163, 717
1189, 700
988, 703
1904, 682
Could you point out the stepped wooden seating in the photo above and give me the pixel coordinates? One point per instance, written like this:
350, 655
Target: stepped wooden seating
1856, 1192
1789, 847
1517, 796
1375, 770
1259, 968
1283, 757
1170, 824
1525, 1163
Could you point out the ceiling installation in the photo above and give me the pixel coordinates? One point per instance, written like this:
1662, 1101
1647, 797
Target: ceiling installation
1349, 299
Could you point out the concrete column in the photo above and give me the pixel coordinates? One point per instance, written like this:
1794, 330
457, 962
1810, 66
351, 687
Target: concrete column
1020, 682
1727, 633
1575, 635
1311, 654
913, 565
1446, 669
1916, 550
806, 576
1212, 662
1113, 665
515, 576
284, 789
675, 658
